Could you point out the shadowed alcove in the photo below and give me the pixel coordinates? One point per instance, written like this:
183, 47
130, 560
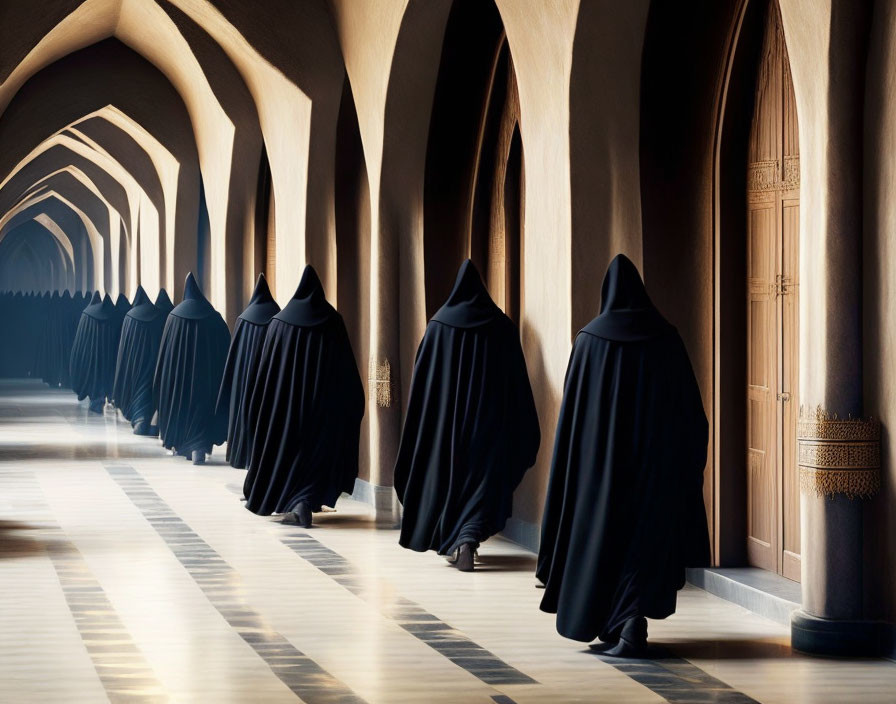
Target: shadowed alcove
352, 204
474, 163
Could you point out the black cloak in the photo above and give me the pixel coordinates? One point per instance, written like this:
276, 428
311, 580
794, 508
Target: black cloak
241, 368
93, 351
188, 375
306, 408
624, 513
471, 430
138, 352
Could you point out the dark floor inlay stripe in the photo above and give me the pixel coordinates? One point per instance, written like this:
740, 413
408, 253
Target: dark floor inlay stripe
125, 675
221, 585
412, 617
679, 681
119, 664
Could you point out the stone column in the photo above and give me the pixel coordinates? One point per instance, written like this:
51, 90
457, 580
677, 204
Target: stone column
826, 42
384, 399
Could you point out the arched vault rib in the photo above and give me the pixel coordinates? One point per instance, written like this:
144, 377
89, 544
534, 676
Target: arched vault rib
97, 127
61, 181
96, 239
149, 31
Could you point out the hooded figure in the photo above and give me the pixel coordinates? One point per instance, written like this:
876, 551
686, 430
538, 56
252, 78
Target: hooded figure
188, 375
471, 429
241, 367
624, 513
305, 411
163, 303
92, 364
122, 306
138, 351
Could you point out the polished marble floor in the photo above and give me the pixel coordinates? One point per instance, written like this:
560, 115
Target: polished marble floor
127, 575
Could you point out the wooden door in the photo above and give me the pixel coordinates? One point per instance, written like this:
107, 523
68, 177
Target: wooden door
773, 539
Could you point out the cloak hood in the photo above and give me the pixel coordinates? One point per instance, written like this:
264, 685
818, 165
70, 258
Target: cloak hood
163, 303
262, 306
626, 311
143, 309
308, 306
140, 298
100, 309
122, 304
468, 305
195, 305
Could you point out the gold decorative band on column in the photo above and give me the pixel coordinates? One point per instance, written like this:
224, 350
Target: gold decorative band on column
379, 378
839, 456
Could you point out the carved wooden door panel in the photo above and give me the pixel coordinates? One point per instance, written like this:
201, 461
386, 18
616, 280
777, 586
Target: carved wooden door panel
773, 313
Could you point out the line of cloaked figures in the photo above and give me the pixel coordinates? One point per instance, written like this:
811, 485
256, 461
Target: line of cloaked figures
624, 512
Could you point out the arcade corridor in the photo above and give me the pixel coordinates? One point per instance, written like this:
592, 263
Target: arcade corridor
300, 297
131, 575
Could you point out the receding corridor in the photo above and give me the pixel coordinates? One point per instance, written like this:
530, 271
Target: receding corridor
130, 575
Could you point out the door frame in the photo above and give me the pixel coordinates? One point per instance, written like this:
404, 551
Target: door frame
733, 114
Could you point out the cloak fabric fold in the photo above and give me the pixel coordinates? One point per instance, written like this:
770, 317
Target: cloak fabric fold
138, 352
306, 408
471, 429
241, 368
122, 306
188, 374
92, 363
624, 512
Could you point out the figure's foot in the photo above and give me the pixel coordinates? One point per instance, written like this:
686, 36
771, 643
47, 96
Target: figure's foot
96, 405
464, 560
198, 457
632, 641
145, 428
303, 514
602, 646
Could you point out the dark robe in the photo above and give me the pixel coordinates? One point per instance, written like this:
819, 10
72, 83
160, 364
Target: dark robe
241, 368
138, 352
624, 512
306, 408
93, 351
188, 375
122, 306
66, 326
471, 430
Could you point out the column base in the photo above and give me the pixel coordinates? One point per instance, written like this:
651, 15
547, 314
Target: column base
386, 508
821, 636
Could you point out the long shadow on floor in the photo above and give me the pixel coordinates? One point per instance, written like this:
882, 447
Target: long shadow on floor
506, 563
82, 451
18, 540
740, 649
